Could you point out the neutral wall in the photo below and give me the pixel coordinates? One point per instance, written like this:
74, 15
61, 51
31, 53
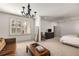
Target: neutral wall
67, 27
4, 27
45, 25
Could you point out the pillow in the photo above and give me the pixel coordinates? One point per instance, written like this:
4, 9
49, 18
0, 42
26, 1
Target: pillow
2, 43
40, 48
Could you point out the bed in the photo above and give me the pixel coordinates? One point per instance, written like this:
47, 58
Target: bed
70, 39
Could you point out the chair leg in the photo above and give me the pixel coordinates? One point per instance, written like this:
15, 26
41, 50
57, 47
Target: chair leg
26, 49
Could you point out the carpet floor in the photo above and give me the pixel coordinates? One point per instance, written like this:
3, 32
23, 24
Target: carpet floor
55, 47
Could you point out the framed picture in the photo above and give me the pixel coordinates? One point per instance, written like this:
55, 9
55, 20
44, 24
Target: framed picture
19, 27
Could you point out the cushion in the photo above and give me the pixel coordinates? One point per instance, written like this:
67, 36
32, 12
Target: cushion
40, 48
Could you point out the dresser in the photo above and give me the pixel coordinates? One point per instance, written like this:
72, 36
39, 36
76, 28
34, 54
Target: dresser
49, 35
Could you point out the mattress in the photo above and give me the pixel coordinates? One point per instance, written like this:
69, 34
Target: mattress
71, 40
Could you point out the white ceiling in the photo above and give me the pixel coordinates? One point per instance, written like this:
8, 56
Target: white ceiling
44, 9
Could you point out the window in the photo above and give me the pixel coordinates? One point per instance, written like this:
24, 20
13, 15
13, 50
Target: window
19, 27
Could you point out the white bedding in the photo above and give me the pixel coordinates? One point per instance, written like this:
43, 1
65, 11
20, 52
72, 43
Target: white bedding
70, 39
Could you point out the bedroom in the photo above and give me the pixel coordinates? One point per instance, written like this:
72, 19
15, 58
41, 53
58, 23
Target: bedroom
63, 16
